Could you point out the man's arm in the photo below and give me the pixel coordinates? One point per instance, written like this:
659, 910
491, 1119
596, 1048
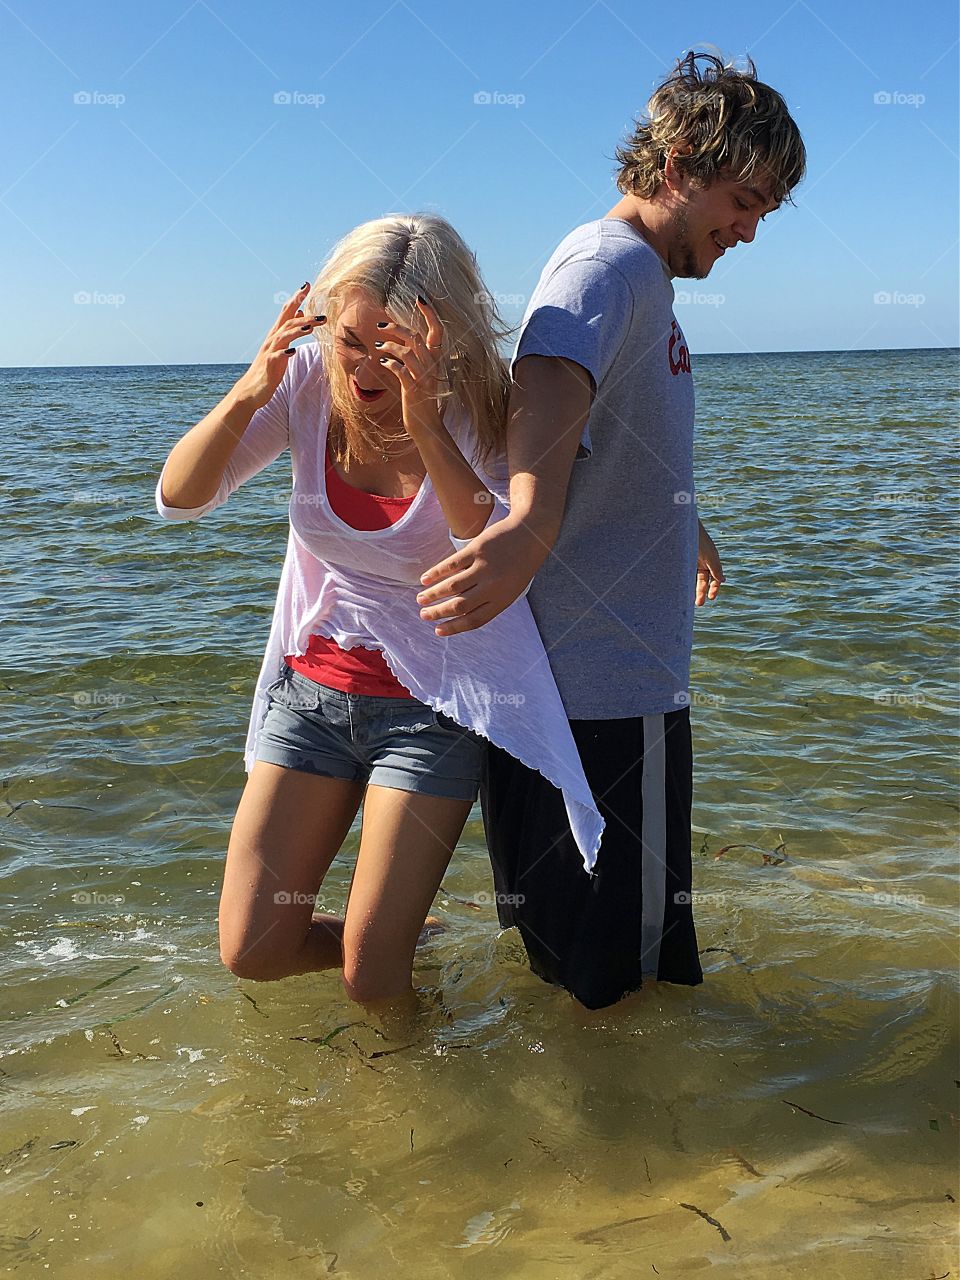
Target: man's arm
549, 405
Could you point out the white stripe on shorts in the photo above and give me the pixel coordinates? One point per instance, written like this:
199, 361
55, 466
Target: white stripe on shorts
653, 843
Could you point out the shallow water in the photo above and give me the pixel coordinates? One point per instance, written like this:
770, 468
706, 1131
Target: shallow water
795, 1115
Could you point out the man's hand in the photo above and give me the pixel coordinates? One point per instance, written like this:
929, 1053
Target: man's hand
549, 404
709, 569
481, 580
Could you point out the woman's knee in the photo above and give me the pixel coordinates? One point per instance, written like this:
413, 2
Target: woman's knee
245, 959
367, 981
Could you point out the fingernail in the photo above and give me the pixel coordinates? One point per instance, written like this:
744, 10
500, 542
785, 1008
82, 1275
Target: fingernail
319, 319
304, 328
305, 285
382, 324
290, 351
378, 344
383, 359
421, 298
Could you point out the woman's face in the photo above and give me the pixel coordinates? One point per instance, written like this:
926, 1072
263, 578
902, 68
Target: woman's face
371, 384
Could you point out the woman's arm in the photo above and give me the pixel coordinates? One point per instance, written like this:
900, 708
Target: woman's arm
194, 468
245, 432
465, 499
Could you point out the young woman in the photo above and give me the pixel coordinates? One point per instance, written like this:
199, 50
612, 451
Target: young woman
395, 422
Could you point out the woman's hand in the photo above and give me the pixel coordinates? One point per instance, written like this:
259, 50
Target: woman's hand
417, 364
709, 569
255, 388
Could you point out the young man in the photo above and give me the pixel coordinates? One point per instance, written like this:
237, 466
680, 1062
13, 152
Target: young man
600, 447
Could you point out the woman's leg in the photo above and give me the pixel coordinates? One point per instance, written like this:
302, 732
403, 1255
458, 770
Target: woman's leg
289, 827
406, 843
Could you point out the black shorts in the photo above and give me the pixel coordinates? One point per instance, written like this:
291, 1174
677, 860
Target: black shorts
598, 935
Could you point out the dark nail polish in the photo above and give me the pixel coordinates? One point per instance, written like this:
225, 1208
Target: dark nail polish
304, 328
383, 359
378, 344
382, 324
290, 351
421, 298
305, 285
320, 319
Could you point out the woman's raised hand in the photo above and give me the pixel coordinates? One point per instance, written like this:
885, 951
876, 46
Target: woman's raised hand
418, 365
263, 377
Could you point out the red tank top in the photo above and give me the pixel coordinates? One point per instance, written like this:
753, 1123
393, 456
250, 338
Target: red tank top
353, 670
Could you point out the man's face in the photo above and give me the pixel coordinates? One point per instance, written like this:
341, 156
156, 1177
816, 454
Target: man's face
706, 221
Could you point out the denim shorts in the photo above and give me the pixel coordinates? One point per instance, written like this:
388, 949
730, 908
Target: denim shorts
391, 742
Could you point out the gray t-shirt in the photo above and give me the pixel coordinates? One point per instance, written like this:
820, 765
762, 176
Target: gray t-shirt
614, 600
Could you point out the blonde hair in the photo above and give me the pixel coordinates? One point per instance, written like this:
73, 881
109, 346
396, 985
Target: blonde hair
733, 122
394, 259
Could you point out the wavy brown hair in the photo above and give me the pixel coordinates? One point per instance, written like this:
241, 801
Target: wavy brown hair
736, 125
393, 259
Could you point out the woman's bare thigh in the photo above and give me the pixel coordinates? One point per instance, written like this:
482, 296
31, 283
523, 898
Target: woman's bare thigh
405, 847
288, 828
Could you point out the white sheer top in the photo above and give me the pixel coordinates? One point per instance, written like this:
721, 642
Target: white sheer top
359, 587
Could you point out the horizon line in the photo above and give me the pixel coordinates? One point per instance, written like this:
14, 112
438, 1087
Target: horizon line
227, 364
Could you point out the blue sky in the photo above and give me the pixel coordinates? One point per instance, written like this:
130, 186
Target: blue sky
156, 197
